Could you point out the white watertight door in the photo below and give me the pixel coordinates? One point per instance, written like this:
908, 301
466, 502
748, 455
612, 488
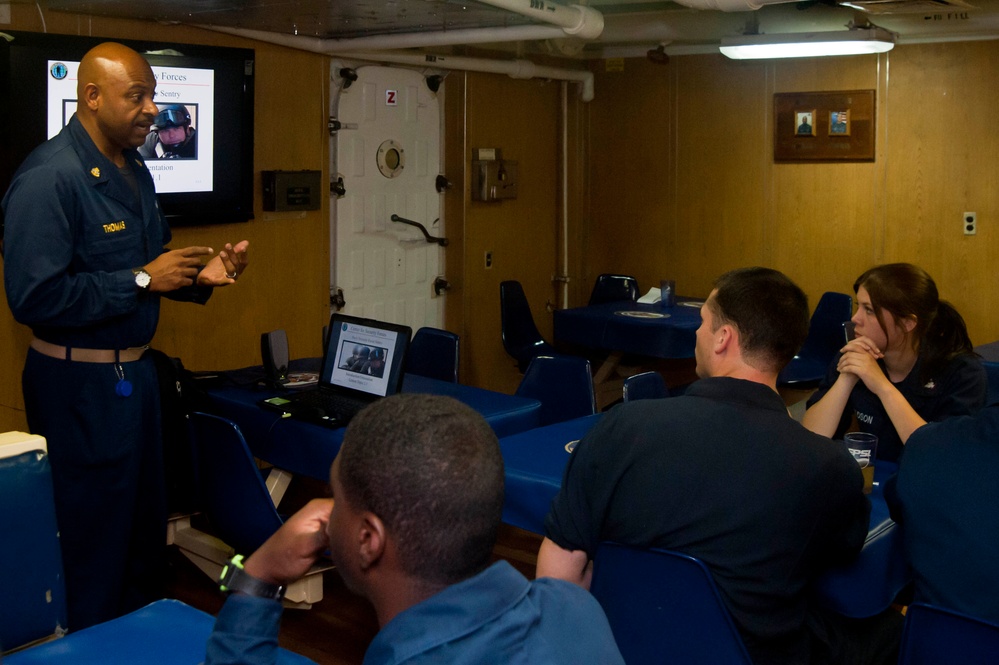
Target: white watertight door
387, 151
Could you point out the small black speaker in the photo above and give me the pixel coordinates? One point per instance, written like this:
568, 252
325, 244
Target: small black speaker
274, 351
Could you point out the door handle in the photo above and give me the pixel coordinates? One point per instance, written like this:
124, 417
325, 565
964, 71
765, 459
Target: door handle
426, 234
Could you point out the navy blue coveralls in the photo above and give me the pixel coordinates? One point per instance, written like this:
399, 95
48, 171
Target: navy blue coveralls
74, 232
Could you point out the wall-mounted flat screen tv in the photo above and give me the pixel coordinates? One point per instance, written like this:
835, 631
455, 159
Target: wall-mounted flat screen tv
206, 180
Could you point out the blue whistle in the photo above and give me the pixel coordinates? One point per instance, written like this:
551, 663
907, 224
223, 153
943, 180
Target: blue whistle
123, 388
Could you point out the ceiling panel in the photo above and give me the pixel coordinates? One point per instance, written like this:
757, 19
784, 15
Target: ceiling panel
313, 18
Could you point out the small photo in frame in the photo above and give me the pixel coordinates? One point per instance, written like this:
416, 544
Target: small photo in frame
839, 123
804, 123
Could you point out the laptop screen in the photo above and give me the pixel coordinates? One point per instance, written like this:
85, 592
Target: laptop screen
364, 355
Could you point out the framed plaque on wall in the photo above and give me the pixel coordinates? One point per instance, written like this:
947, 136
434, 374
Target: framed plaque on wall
824, 126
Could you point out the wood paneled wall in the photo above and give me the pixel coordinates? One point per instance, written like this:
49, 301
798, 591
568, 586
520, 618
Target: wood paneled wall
287, 284
683, 155
631, 144
943, 160
522, 119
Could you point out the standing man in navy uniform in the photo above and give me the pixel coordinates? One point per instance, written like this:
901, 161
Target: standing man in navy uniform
85, 266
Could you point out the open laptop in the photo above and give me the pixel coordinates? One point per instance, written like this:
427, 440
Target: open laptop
363, 361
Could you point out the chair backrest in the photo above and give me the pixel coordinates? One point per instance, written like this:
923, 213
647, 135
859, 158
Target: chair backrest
233, 493
521, 338
663, 607
31, 559
992, 376
825, 329
433, 353
563, 385
937, 636
612, 288
825, 338
647, 385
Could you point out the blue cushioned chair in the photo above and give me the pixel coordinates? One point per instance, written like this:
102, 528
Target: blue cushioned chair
992, 374
613, 288
31, 558
433, 353
521, 338
563, 385
166, 632
825, 339
238, 505
233, 491
647, 385
937, 636
663, 607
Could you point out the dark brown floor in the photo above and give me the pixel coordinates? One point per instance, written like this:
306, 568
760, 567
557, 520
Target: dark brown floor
337, 630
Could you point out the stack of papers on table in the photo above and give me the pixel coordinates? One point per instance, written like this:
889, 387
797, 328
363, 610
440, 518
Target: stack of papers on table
653, 296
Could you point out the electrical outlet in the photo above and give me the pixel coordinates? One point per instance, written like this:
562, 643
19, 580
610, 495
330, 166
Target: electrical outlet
489, 259
970, 223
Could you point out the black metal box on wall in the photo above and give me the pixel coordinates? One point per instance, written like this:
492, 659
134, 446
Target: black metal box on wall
292, 190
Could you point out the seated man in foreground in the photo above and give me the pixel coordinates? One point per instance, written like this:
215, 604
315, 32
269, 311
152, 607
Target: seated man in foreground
724, 474
946, 502
418, 494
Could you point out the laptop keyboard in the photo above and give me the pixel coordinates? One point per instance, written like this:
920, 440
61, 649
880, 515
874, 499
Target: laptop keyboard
337, 406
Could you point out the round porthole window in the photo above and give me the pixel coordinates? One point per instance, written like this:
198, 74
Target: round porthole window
391, 158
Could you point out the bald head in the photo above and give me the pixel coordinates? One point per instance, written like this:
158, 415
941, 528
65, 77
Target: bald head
108, 62
115, 97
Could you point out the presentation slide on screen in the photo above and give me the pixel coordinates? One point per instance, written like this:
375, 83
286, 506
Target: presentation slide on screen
181, 158
364, 357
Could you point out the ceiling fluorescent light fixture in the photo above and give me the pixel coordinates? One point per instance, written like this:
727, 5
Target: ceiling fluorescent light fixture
808, 44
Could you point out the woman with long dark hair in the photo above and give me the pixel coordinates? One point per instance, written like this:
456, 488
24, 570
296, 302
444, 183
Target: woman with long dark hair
911, 362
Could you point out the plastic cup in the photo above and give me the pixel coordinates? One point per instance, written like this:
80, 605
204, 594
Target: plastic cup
667, 293
864, 448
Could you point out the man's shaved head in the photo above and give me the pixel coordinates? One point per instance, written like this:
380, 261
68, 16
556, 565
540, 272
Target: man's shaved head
115, 97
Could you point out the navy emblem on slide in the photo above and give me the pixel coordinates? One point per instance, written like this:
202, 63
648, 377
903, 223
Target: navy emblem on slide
58, 71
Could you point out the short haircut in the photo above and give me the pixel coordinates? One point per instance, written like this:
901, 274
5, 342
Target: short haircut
430, 468
769, 310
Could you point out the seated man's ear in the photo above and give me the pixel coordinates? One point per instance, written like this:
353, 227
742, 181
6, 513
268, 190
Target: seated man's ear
371, 545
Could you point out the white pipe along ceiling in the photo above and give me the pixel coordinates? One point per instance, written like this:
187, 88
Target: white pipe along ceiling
576, 20
519, 69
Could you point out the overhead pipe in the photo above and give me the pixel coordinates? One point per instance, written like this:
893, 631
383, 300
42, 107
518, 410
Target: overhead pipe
576, 20
518, 69
730, 5
407, 40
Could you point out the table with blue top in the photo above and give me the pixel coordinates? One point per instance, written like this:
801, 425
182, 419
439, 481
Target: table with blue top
632, 328
308, 449
870, 583
535, 460
532, 464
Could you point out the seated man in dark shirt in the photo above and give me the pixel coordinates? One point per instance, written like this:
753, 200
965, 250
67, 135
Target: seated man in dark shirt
724, 474
946, 500
418, 494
